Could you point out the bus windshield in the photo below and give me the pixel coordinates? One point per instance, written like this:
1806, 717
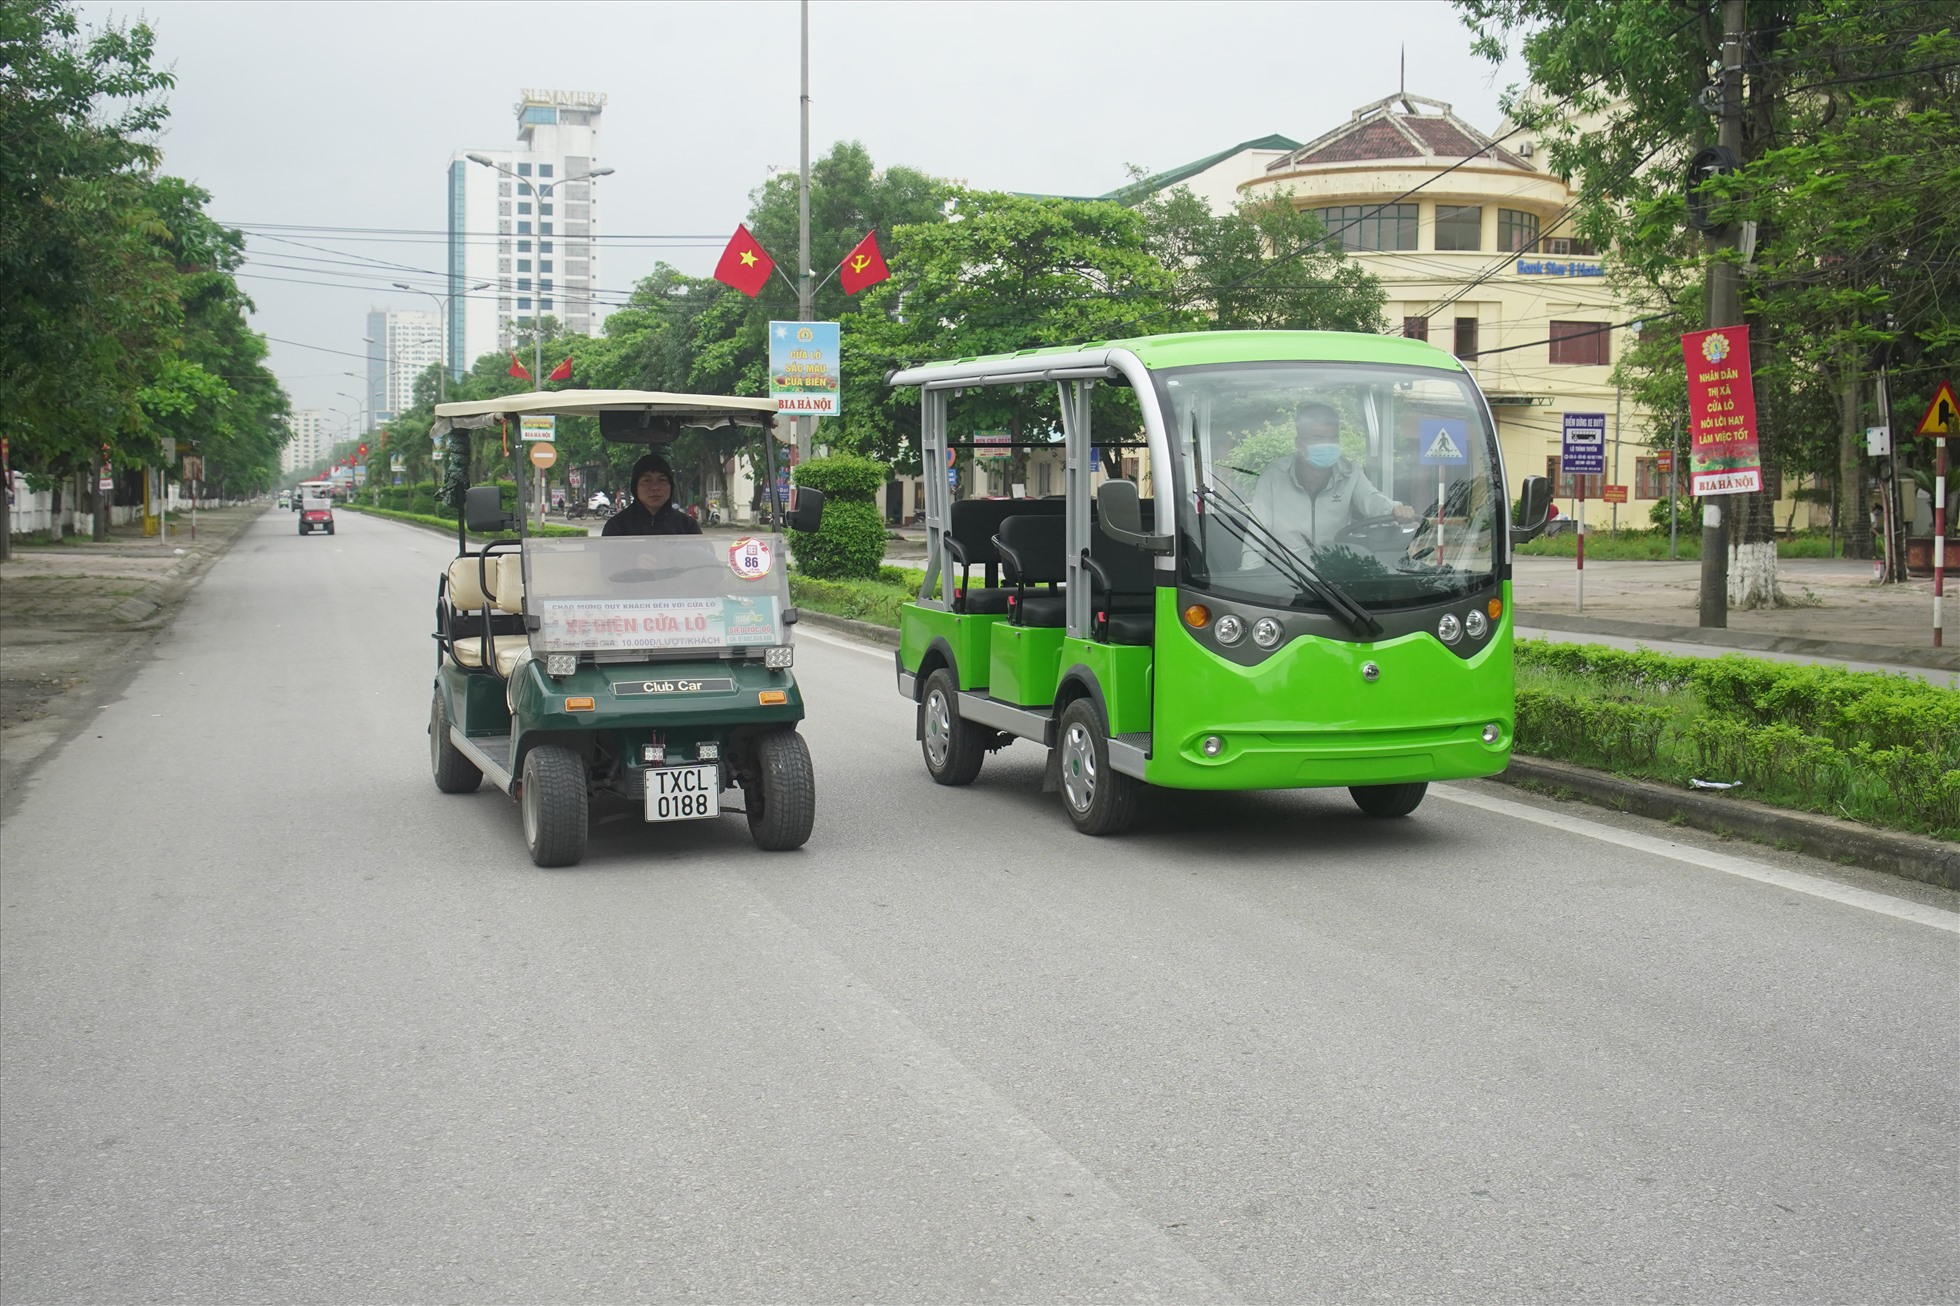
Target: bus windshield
1332, 485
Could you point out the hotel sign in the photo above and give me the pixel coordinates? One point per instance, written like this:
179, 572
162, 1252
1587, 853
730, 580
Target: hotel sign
566, 99
1539, 267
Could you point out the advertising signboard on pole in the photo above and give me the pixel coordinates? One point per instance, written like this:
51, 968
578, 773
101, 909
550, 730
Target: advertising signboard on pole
1723, 453
803, 369
538, 428
1582, 453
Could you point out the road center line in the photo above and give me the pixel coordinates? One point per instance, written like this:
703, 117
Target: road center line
1796, 881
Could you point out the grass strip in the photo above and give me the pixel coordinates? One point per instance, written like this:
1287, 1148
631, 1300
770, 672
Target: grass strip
449, 523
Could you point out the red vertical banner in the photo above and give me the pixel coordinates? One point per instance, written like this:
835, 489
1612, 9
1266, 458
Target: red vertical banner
1724, 458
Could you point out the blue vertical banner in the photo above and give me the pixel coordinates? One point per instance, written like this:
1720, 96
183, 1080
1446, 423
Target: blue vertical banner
803, 368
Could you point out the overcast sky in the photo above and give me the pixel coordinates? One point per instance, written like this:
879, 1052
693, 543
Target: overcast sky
345, 114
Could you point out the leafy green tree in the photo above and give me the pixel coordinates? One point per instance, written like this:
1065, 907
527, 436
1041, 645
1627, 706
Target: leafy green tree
1848, 166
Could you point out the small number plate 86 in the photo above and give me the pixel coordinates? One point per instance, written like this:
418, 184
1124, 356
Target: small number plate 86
683, 793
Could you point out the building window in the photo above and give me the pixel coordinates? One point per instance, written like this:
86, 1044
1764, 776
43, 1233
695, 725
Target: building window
524, 283
1649, 481
523, 228
1584, 343
1466, 338
1568, 487
544, 247
523, 169
524, 247
544, 170
544, 265
1567, 246
523, 303
544, 306
544, 228
1370, 226
1415, 328
524, 265
1517, 231
523, 206
545, 285
545, 210
1459, 226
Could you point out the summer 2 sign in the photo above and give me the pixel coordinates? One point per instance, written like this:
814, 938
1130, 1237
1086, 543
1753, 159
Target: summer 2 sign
1721, 413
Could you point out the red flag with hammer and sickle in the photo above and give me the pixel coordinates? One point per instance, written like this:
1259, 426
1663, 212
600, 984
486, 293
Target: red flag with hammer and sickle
863, 266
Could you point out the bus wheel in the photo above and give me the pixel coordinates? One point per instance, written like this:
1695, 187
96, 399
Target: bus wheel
1387, 800
783, 801
1099, 799
553, 803
954, 748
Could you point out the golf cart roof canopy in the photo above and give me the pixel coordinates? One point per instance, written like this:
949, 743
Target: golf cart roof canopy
626, 416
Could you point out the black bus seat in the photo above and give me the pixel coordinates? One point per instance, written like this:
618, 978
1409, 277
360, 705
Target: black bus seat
970, 542
1123, 587
1034, 548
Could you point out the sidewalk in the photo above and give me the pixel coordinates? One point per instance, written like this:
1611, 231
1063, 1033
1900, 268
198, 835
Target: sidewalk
75, 617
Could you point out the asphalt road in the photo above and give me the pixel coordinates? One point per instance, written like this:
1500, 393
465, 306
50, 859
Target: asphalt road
282, 1023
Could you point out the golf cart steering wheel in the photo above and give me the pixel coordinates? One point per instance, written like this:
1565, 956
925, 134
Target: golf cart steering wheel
634, 576
1379, 534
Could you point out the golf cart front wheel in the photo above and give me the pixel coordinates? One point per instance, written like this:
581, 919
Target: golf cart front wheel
1099, 799
455, 774
782, 802
1382, 801
553, 801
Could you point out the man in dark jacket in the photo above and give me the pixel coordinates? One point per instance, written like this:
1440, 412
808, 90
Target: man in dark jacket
652, 511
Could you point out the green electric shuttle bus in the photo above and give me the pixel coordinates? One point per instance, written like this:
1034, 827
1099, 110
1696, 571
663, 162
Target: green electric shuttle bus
1306, 583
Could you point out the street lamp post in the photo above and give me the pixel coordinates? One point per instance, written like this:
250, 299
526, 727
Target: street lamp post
442, 328
540, 193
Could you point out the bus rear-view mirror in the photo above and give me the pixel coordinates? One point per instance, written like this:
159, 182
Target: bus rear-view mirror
1534, 509
1119, 513
483, 509
805, 509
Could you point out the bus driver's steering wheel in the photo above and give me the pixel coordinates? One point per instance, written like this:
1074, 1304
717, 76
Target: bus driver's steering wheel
1379, 534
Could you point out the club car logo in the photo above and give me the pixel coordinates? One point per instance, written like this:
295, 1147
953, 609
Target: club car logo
749, 558
1715, 347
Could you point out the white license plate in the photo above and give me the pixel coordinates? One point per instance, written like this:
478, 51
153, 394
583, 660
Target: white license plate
683, 793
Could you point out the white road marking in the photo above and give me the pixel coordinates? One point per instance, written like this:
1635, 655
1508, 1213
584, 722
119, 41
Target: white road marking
1796, 881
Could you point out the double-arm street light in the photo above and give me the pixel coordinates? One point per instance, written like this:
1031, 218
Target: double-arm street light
540, 193
442, 329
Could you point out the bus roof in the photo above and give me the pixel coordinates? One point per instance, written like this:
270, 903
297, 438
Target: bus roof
1190, 348
694, 410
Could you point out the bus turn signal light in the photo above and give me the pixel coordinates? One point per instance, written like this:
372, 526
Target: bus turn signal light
1495, 607
1197, 616
770, 697
580, 705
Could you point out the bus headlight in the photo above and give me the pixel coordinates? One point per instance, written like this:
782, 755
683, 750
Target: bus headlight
1229, 630
1476, 624
779, 656
560, 665
1266, 632
1449, 629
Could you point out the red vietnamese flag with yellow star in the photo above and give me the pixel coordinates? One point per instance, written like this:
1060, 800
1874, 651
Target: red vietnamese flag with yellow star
863, 266
744, 265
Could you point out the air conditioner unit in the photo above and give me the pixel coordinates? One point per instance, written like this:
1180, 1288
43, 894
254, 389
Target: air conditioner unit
1526, 149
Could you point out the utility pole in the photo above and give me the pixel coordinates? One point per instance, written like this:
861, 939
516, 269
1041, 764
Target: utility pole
1723, 309
806, 292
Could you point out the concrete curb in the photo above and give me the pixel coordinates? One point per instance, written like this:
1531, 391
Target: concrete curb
1911, 856
1742, 641
869, 631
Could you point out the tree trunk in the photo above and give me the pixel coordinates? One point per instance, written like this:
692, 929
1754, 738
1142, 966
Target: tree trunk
101, 502
7, 519
1752, 572
54, 511
1854, 510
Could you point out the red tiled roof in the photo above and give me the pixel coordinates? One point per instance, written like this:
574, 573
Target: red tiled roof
1379, 132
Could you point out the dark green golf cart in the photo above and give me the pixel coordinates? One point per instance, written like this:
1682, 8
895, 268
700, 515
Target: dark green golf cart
649, 669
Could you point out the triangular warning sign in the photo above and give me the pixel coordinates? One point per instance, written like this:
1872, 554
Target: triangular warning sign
1942, 415
1442, 449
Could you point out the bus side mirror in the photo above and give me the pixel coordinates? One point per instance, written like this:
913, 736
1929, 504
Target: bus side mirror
1534, 509
805, 508
483, 510
1120, 514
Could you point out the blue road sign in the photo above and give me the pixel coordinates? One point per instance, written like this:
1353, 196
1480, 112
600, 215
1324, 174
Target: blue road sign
1583, 452
1445, 442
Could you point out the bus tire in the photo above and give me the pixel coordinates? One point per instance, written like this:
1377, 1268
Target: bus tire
455, 774
553, 803
1382, 801
953, 748
1098, 798
782, 804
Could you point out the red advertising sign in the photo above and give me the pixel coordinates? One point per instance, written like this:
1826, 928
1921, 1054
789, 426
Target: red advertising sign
1664, 460
1615, 494
1721, 413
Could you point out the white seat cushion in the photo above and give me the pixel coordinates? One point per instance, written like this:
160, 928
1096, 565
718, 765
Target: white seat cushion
509, 648
508, 577
465, 590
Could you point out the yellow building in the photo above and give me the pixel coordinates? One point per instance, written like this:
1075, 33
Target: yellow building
1481, 260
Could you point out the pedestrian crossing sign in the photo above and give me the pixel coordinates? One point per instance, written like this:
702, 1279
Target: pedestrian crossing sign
1445, 442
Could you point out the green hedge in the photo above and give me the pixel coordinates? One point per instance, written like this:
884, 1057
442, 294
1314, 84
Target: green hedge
449, 523
1878, 748
850, 544
876, 600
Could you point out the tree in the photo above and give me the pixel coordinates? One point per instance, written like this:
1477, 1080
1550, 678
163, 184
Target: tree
1848, 173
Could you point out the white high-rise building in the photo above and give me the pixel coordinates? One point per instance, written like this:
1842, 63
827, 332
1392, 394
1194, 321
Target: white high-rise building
402, 344
309, 445
528, 231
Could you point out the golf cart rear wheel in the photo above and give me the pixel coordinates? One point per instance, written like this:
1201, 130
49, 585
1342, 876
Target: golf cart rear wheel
782, 803
553, 802
954, 749
455, 774
1098, 798
1387, 800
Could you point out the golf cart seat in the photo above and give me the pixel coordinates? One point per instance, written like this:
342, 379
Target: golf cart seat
466, 601
1033, 549
970, 543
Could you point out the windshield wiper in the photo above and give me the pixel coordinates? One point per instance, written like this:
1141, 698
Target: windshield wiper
1243, 523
